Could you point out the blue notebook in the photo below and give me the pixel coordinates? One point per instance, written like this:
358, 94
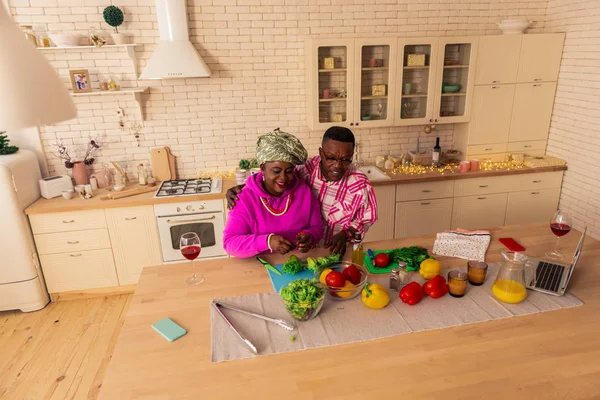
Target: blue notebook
169, 329
280, 281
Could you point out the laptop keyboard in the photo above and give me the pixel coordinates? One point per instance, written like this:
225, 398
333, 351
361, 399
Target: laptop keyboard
549, 276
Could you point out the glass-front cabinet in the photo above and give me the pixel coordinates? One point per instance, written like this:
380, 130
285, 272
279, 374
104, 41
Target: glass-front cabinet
349, 82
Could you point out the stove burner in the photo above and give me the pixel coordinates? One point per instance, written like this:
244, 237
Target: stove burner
181, 187
171, 191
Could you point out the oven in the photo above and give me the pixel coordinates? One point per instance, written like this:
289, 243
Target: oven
205, 218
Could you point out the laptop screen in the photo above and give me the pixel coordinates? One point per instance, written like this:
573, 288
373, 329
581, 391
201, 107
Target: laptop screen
577, 253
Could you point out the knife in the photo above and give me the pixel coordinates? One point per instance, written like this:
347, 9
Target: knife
269, 266
371, 255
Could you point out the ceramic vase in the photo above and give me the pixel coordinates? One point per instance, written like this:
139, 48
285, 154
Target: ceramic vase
80, 173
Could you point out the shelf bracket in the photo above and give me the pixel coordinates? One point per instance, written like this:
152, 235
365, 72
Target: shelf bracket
133, 58
139, 98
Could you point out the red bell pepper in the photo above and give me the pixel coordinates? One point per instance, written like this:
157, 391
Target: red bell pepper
411, 294
435, 287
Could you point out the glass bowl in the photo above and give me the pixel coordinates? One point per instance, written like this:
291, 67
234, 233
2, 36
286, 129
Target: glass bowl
304, 310
341, 294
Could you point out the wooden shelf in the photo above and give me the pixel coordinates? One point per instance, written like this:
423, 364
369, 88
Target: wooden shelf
86, 47
453, 94
416, 95
333, 70
456, 66
137, 94
373, 97
375, 68
418, 67
332, 99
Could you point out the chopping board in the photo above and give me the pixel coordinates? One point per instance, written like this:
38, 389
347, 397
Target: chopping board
280, 281
171, 158
161, 164
376, 270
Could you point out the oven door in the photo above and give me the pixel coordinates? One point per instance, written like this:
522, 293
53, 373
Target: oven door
208, 227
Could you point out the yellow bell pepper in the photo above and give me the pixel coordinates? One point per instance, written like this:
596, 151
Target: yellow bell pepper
430, 268
348, 286
375, 296
324, 275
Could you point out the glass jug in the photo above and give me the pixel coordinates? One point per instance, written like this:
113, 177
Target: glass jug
509, 286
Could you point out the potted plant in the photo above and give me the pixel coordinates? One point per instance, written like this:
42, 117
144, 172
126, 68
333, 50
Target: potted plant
254, 167
5, 149
114, 17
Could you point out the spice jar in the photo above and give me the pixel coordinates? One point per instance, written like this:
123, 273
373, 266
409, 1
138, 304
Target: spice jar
142, 175
395, 284
389, 163
29, 35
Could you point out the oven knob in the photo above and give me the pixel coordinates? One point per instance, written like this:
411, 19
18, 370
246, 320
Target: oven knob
178, 209
189, 208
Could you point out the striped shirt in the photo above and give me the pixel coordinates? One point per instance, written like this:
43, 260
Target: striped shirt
349, 202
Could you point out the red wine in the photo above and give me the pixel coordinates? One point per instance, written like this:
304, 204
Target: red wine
560, 229
190, 252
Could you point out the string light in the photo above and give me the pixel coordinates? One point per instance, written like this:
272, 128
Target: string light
422, 169
216, 174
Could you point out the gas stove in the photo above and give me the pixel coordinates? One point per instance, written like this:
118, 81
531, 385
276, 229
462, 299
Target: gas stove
189, 187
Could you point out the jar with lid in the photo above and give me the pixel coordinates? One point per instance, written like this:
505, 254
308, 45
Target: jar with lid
380, 161
389, 163
399, 276
29, 35
142, 175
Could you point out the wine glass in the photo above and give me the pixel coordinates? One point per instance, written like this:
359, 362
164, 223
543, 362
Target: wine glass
190, 247
560, 224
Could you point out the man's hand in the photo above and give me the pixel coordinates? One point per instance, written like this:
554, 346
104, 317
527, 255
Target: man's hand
231, 196
280, 244
338, 244
304, 242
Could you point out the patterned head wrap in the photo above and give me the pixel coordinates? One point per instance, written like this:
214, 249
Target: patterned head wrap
280, 146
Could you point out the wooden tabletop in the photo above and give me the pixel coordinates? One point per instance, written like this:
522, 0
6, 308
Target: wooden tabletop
547, 355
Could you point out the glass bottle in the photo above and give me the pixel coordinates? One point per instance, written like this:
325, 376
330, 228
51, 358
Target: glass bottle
358, 253
142, 175
108, 178
29, 35
509, 286
395, 279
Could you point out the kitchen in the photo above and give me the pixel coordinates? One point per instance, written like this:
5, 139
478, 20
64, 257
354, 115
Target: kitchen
256, 52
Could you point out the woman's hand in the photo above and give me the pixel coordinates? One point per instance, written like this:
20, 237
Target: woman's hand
304, 242
232, 197
338, 244
280, 244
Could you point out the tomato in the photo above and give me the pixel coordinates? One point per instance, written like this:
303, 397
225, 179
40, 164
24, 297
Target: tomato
352, 274
382, 260
335, 279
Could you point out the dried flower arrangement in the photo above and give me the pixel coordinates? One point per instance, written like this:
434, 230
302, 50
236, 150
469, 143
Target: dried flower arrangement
70, 154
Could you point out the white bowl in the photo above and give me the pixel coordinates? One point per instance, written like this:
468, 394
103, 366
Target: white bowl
514, 26
65, 40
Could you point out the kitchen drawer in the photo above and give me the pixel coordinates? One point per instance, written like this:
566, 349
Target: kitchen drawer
487, 148
423, 191
531, 206
79, 270
423, 217
478, 186
484, 157
535, 181
479, 212
67, 221
526, 146
64, 242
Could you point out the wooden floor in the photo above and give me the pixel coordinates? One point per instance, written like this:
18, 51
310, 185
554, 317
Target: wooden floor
60, 352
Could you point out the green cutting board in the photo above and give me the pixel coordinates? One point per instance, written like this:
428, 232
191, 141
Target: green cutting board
374, 270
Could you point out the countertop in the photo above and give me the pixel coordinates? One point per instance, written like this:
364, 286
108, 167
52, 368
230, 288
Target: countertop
552, 354
59, 204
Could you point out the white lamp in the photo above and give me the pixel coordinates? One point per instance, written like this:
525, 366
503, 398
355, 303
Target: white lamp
31, 91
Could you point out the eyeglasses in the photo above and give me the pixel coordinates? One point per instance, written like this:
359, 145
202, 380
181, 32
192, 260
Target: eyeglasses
333, 160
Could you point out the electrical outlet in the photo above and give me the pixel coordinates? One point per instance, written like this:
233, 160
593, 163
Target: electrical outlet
120, 112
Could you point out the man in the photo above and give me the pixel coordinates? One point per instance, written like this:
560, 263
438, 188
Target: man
347, 199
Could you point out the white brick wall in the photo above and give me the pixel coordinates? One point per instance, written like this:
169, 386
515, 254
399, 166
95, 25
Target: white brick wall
256, 51
575, 127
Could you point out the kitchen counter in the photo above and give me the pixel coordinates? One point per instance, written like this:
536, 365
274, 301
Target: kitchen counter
551, 354
59, 204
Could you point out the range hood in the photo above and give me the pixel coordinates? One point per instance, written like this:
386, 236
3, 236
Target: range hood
175, 56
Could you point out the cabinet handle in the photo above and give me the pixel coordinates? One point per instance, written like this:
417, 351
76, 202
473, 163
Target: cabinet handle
535, 192
184, 221
527, 146
537, 79
481, 198
69, 221
351, 123
75, 255
495, 87
495, 81
130, 218
483, 186
435, 120
425, 203
356, 124
537, 181
536, 84
487, 149
75, 242
426, 191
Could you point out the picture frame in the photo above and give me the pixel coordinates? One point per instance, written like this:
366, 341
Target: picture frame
80, 80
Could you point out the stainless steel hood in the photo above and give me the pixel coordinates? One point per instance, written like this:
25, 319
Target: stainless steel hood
175, 56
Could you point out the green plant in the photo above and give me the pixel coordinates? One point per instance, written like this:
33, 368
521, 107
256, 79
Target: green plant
5, 149
113, 16
244, 164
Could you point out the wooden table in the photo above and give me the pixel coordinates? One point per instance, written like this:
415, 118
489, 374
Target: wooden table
553, 354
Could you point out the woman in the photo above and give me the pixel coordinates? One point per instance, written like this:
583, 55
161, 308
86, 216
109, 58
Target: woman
278, 212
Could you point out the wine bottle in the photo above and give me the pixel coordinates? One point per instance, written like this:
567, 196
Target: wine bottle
435, 157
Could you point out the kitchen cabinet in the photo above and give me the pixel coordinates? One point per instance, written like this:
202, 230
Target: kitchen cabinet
497, 59
540, 57
386, 203
532, 111
350, 81
134, 238
531, 206
422, 217
490, 119
479, 212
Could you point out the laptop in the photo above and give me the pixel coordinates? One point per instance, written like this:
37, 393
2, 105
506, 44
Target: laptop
553, 278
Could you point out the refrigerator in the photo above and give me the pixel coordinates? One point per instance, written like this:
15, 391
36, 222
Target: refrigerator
22, 285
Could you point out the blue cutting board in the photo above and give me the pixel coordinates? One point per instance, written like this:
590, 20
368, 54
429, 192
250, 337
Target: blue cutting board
280, 281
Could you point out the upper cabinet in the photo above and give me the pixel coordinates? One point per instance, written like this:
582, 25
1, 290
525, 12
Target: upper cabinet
349, 82
498, 59
540, 57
